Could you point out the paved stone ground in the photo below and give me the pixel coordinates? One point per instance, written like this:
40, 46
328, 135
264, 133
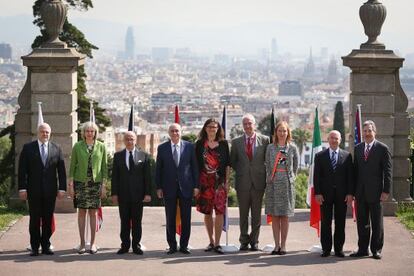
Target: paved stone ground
398, 252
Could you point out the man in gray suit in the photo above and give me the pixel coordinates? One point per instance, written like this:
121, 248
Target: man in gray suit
247, 159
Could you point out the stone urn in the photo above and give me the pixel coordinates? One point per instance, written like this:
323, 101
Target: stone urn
372, 14
53, 13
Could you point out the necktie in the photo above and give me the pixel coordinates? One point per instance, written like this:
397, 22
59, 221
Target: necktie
333, 160
366, 153
131, 160
175, 155
43, 153
249, 149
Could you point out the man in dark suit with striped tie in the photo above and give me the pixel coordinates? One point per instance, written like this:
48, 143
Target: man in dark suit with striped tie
41, 165
333, 183
373, 174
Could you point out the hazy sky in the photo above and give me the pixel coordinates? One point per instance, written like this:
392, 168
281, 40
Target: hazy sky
336, 15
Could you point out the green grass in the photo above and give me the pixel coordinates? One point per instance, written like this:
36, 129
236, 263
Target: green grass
406, 215
8, 215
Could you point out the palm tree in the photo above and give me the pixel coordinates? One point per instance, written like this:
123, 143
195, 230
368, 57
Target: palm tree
300, 137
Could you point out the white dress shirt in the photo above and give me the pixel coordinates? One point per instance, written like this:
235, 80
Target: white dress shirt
336, 154
178, 150
127, 156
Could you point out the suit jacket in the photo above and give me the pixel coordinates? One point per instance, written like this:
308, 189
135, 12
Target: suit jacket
374, 175
169, 177
249, 173
325, 179
134, 184
41, 181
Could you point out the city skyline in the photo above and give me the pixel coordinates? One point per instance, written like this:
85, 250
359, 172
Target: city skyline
231, 27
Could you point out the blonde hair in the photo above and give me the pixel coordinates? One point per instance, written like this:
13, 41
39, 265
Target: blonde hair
87, 125
289, 136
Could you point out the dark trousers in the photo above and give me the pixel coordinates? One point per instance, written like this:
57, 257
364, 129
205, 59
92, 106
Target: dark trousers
41, 209
369, 215
170, 213
131, 218
250, 202
336, 208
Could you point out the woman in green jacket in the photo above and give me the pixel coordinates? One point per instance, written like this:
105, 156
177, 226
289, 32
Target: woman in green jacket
88, 173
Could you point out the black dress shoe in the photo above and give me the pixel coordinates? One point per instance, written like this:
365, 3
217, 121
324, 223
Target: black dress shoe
254, 247
244, 247
122, 250
359, 254
326, 254
171, 251
339, 254
34, 253
185, 251
376, 256
47, 251
137, 251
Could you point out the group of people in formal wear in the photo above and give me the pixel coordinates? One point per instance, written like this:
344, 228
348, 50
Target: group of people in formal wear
264, 171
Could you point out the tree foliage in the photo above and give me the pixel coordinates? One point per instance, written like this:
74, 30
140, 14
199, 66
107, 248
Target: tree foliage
339, 123
300, 137
264, 125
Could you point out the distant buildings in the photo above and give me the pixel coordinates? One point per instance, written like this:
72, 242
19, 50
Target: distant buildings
166, 99
273, 50
5, 51
291, 88
161, 54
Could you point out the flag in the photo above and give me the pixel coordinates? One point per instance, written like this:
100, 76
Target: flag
40, 114
315, 211
357, 140
225, 215
176, 115
99, 214
131, 119
39, 122
91, 112
271, 133
178, 214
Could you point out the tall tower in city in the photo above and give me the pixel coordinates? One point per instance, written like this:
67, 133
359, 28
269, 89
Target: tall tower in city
310, 66
130, 43
332, 76
273, 53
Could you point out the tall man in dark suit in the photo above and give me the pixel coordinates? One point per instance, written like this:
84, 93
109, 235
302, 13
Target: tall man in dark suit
333, 183
247, 160
177, 178
373, 171
41, 164
131, 187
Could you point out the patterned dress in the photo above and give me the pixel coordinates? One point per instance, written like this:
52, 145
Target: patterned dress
88, 195
280, 188
213, 194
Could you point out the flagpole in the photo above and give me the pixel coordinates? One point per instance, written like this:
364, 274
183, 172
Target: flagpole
228, 248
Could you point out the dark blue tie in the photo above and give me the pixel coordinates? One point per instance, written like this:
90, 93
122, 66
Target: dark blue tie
333, 160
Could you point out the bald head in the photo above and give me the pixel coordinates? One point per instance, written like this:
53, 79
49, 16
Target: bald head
130, 140
43, 132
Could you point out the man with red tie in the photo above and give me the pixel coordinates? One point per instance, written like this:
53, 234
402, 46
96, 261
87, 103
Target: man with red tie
247, 159
373, 174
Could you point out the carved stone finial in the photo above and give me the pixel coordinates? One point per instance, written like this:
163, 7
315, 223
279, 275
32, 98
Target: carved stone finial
53, 13
372, 15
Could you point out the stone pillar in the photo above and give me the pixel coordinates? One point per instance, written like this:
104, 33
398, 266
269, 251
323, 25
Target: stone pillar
52, 80
376, 86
